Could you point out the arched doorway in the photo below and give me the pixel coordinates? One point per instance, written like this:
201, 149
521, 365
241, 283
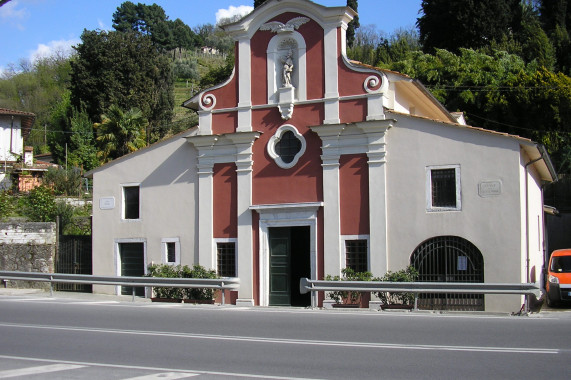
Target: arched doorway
449, 259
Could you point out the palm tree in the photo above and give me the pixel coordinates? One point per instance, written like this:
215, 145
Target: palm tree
120, 132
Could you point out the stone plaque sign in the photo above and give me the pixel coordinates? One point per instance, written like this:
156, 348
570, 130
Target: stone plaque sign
107, 203
490, 188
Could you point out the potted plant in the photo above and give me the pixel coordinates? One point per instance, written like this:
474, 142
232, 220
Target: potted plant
398, 300
346, 298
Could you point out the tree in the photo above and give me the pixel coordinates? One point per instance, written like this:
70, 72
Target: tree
498, 91
148, 20
120, 133
257, 3
125, 70
455, 24
71, 139
36, 90
353, 25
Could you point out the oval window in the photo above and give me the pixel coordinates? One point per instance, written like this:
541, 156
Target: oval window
286, 146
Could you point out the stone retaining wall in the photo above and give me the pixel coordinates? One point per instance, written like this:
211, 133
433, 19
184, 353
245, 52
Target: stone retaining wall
28, 247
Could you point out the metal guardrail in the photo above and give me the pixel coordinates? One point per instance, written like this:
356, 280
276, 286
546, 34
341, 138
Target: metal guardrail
134, 282
306, 285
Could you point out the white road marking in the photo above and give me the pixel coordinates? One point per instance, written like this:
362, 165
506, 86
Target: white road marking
164, 375
38, 370
325, 343
185, 371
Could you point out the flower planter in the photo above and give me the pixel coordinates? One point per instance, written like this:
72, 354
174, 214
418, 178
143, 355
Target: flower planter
346, 305
397, 307
171, 300
199, 302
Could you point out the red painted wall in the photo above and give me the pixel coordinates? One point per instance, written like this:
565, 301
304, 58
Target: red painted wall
302, 183
354, 194
226, 122
351, 82
313, 36
225, 205
227, 96
351, 111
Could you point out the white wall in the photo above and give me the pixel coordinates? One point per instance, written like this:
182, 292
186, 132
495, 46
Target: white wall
492, 224
167, 176
10, 138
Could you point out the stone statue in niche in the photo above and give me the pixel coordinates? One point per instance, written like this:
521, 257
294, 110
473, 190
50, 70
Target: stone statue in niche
287, 69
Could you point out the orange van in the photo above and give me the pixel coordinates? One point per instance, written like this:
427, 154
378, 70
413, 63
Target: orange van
559, 277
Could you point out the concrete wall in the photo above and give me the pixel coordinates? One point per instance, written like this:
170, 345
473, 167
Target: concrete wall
28, 247
166, 174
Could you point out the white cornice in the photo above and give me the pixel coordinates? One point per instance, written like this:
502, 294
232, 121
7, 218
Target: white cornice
326, 17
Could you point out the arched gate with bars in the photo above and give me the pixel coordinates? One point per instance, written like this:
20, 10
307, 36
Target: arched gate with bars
449, 259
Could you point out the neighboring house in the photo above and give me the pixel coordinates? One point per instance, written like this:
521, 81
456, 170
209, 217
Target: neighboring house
19, 172
304, 163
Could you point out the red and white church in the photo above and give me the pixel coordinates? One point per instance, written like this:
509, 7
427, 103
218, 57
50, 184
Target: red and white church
305, 162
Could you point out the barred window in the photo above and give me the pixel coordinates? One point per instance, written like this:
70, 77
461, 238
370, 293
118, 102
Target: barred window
443, 187
288, 146
226, 259
356, 255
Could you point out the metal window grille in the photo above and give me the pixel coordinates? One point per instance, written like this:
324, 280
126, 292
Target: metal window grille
226, 259
171, 252
443, 187
288, 146
449, 259
131, 195
356, 255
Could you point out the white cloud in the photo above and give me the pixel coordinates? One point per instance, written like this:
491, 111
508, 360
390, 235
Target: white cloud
232, 12
61, 47
102, 25
11, 13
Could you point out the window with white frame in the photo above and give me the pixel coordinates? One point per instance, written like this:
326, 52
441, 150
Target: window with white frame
226, 258
171, 250
356, 250
131, 202
443, 190
286, 146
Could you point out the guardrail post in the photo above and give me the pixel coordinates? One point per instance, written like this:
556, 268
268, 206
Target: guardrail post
132, 294
51, 286
223, 294
415, 301
313, 297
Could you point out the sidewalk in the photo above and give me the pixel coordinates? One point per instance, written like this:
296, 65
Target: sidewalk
69, 295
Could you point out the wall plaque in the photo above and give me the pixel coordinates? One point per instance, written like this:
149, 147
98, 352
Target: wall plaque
490, 188
107, 203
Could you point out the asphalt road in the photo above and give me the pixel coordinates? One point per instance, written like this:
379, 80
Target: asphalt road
63, 338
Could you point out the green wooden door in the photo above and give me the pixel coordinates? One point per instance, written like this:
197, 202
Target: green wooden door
132, 264
280, 266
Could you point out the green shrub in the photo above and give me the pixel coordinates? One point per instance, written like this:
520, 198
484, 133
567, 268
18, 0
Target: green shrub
178, 271
64, 182
7, 204
409, 274
40, 205
166, 271
348, 274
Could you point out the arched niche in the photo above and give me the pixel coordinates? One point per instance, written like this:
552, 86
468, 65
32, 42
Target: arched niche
278, 48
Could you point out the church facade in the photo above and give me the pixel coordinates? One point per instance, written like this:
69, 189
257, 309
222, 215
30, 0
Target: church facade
305, 162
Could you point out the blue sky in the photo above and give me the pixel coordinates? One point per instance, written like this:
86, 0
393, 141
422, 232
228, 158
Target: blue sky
31, 28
